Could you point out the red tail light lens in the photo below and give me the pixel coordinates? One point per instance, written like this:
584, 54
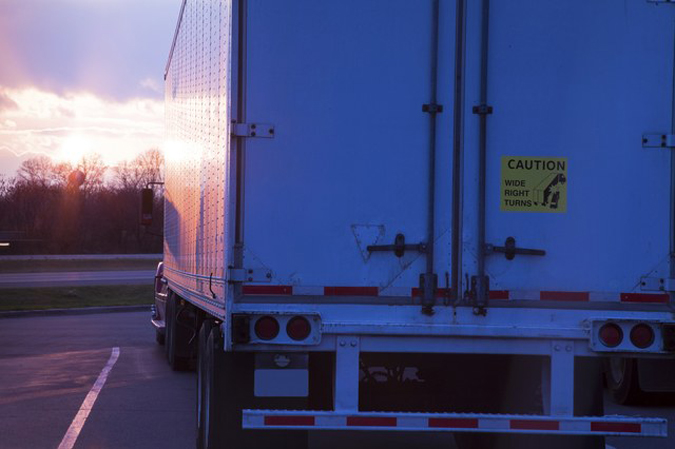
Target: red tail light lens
266, 328
642, 336
611, 335
298, 328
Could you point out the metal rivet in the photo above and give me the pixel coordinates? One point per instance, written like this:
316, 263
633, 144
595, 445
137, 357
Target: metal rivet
353, 343
343, 343
568, 348
557, 347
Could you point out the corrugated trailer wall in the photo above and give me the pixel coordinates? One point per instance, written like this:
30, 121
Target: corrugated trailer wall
198, 152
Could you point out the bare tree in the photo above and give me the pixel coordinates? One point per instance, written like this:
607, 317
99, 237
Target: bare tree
36, 171
70, 208
128, 175
60, 173
93, 168
6, 185
136, 174
152, 162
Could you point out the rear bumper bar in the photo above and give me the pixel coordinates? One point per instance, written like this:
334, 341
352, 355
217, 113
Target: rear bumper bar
456, 422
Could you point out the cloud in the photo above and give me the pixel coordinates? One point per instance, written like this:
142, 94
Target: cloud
101, 46
6, 102
68, 126
152, 85
10, 162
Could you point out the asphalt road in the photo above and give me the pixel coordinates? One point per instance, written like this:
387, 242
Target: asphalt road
76, 278
48, 366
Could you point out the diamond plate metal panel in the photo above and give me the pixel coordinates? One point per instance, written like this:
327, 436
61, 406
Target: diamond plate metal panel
197, 103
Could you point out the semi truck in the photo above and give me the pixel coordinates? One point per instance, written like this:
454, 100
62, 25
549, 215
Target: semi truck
429, 216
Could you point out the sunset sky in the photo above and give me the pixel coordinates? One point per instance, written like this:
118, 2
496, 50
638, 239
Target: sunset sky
82, 76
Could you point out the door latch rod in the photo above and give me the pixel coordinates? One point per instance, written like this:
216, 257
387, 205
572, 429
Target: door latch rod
510, 249
399, 247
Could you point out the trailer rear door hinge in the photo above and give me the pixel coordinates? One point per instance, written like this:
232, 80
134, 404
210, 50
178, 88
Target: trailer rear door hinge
428, 289
658, 140
432, 108
482, 109
654, 284
235, 275
263, 130
478, 294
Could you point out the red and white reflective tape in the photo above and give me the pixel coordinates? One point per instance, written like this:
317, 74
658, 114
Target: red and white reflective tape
456, 422
512, 295
497, 295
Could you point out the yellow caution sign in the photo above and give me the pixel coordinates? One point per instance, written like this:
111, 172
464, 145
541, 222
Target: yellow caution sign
534, 184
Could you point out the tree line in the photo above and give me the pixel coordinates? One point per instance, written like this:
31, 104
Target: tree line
52, 207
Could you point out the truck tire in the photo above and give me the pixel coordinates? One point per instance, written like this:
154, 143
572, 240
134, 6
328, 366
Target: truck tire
621, 375
175, 337
159, 337
202, 338
227, 389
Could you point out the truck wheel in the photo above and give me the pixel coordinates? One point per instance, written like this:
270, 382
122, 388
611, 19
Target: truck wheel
175, 336
621, 376
211, 426
168, 326
203, 336
227, 389
159, 337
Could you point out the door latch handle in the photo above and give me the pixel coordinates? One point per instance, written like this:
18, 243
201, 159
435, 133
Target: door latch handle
399, 247
510, 249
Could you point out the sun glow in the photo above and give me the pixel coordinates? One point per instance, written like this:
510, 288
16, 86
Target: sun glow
71, 126
74, 149
181, 151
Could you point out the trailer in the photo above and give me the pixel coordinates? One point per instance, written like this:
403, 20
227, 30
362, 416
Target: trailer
436, 215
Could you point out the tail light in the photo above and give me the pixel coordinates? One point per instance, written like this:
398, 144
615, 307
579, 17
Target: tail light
298, 328
642, 336
611, 335
279, 328
266, 328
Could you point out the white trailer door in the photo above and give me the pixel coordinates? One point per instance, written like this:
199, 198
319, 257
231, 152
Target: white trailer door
344, 84
574, 86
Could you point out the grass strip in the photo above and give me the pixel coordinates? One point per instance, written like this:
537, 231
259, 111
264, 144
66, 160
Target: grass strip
51, 266
75, 297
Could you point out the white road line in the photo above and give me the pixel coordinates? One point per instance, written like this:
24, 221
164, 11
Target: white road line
75, 428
